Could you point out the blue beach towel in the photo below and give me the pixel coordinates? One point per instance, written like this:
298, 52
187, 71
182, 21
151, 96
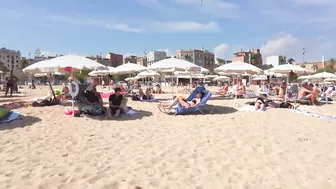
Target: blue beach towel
11, 116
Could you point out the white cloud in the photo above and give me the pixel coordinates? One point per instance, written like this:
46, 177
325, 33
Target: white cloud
181, 26
287, 45
316, 2
221, 50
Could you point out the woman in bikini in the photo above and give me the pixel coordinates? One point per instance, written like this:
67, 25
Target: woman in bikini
183, 102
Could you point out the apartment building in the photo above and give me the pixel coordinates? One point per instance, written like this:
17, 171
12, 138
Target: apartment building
275, 60
201, 58
130, 59
155, 56
254, 56
142, 61
11, 59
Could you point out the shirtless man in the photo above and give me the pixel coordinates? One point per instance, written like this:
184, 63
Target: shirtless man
306, 94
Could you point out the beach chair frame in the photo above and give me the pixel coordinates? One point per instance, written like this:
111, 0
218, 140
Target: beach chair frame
199, 108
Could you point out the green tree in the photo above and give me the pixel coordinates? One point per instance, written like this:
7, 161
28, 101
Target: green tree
266, 66
282, 59
3, 68
220, 60
290, 61
24, 63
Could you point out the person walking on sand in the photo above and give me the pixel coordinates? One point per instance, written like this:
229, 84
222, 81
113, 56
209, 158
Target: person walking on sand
12, 79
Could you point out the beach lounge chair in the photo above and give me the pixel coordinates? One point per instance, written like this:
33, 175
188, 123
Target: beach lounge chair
199, 108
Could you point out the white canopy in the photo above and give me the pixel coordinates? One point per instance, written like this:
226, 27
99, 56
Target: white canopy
204, 70
174, 64
330, 79
41, 75
129, 68
268, 73
74, 61
145, 74
221, 78
305, 77
260, 78
238, 67
323, 75
286, 68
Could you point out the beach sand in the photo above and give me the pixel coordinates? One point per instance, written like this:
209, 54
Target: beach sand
278, 149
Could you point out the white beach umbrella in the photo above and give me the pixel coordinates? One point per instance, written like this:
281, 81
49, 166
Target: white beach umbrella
129, 68
174, 64
260, 78
305, 77
147, 73
330, 79
286, 69
41, 75
238, 67
323, 75
74, 61
222, 78
204, 70
99, 73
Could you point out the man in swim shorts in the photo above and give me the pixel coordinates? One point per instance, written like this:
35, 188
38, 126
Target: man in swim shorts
305, 93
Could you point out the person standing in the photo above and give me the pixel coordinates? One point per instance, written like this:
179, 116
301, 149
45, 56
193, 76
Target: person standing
11, 81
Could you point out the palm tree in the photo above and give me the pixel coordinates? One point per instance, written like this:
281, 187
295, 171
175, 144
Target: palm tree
282, 59
24, 63
290, 61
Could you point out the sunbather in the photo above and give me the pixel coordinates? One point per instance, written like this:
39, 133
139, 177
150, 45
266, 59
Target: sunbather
241, 89
183, 102
306, 94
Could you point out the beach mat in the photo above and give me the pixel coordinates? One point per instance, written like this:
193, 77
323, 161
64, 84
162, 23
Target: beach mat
11, 116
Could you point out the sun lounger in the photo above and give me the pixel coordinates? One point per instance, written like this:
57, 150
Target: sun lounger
199, 108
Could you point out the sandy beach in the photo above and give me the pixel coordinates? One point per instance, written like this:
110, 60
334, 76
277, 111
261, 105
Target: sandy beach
277, 149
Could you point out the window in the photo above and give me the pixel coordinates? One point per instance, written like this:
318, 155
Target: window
17, 66
12, 57
7, 60
8, 56
17, 61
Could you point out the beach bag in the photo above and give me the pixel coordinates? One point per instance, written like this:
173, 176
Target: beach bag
135, 98
286, 105
3, 112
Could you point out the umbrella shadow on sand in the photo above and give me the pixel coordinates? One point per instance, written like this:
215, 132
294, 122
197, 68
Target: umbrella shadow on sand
22, 121
124, 117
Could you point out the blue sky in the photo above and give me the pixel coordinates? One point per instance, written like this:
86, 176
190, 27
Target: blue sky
131, 26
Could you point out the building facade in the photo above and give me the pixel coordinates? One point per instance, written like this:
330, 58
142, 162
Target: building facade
142, 61
155, 56
275, 60
201, 58
130, 59
254, 56
116, 59
11, 59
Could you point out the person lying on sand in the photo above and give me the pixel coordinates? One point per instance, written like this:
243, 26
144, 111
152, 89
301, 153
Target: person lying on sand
183, 102
306, 94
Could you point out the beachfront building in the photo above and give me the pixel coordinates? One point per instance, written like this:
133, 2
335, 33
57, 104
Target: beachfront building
252, 56
130, 59
142, 61
203, 58
314, 66
11, 59
275, 60
155, 56
111, 59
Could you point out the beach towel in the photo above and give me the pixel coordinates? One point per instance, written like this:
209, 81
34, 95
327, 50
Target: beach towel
330, 118
11, 116
249, 108
106, 94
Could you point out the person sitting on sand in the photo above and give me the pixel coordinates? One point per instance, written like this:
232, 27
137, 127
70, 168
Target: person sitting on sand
183, 102
115, 102
261, 103
305, 93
